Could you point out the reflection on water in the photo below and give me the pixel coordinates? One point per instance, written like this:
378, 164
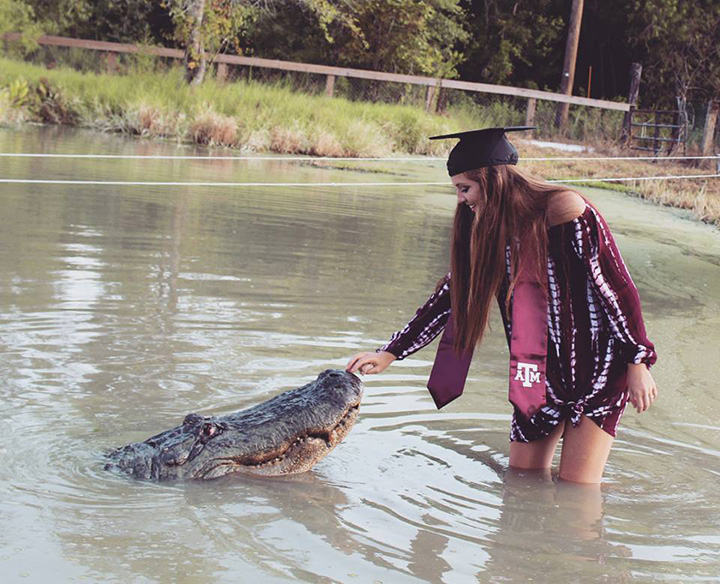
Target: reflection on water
124, 308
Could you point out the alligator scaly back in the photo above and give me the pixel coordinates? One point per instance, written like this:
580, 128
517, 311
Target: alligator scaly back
287, 434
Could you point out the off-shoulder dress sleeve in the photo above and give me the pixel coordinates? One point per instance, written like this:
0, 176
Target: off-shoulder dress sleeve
428, 322
610, 279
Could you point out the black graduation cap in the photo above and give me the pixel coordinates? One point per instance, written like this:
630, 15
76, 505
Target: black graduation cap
480, 148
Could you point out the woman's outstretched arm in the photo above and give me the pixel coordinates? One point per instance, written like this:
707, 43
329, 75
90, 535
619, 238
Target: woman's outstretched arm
429, 321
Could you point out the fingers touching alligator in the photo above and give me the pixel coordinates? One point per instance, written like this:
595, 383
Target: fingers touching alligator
283, 435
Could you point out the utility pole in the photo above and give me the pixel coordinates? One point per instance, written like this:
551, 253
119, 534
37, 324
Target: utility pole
568, 75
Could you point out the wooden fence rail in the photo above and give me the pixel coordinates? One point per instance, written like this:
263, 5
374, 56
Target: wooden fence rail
433, 84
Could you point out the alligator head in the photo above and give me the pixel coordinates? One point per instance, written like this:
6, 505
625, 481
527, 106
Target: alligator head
286, 434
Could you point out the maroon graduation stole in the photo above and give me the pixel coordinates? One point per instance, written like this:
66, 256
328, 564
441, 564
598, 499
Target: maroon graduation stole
449, 372
528, 352
528, 343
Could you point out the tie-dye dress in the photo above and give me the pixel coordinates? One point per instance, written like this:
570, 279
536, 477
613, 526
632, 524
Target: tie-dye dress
595, 328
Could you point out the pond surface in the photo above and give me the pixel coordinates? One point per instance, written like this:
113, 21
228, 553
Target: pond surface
123, 308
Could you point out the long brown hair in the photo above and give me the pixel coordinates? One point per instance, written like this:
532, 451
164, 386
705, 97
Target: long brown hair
513, 211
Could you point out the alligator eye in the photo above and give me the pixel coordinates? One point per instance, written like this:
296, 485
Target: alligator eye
209, 430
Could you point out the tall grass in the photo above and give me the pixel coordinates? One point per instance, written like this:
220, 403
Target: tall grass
150, 98
244, 114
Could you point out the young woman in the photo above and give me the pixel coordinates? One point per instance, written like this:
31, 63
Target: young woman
548, 257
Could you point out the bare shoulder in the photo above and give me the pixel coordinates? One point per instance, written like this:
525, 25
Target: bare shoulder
564, 206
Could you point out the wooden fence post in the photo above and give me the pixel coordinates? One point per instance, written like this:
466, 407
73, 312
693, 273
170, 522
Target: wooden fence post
635, 73
441, 100
708, 138
111, 62
429, 95
657, 146
530, 113
429, 98
330, 85
222, 72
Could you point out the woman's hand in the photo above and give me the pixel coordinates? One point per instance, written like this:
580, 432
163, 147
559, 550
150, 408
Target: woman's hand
370, 362
641, 387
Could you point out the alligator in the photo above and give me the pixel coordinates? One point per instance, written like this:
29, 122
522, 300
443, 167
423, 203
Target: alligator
286, 434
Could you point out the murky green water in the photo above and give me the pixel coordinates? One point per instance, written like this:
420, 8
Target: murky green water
124, 308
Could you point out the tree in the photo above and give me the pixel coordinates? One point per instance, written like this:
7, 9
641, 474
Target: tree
213, 25
205, 25
66, 17
189, 16
17, 16
405, 36
513, 42
680, 46
107, 20
412, 36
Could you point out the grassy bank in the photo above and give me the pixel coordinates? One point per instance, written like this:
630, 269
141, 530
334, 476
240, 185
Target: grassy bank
251, 115
264, 117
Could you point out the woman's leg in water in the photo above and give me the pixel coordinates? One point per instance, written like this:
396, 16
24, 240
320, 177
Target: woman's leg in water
538, 453
585, 451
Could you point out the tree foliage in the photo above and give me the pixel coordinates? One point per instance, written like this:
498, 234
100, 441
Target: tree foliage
17, 16
513, 42
109, 20
223, 24
680, 46
402, 36
405, 36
